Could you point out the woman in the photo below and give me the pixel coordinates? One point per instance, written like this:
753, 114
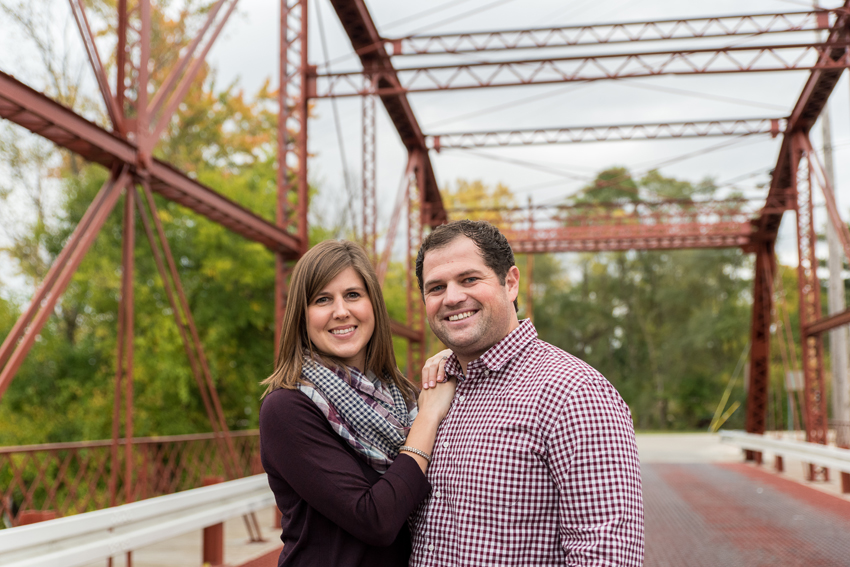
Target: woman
344, 458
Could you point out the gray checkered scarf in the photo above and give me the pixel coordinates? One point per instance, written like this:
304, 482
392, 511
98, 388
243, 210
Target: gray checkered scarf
370, 415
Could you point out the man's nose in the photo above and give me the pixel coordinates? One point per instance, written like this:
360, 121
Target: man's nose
455, 294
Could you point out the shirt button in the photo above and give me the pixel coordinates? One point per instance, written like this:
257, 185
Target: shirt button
486, 373
446, 444
431, 547
462, 397
437, 494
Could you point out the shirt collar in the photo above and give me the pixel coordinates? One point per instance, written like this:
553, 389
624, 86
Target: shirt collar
500, 353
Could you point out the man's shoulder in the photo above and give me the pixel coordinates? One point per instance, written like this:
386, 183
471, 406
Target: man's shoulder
552, 364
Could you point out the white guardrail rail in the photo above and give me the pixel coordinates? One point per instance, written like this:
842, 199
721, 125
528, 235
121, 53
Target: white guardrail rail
823, 455
84, 538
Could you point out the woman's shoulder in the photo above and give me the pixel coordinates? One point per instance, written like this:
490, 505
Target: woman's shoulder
287, 404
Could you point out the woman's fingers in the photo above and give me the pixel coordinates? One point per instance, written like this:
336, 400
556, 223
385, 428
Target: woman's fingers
434, 370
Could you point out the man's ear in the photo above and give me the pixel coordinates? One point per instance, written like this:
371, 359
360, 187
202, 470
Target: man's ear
512, 283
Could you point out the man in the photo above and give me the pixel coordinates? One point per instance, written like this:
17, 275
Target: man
536, 462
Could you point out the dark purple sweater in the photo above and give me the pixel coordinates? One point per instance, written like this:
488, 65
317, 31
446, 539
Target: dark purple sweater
337, 511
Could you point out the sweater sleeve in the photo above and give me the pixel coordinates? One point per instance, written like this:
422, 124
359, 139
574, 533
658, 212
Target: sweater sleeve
298, 445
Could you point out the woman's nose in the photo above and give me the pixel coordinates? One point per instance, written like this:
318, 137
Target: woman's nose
340, 309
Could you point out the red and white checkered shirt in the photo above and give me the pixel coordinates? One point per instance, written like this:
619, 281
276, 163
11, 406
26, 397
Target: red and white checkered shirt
535, 464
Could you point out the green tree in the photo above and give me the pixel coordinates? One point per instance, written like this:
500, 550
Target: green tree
666, 328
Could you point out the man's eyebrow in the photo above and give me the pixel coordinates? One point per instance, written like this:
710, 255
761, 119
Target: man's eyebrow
461, 275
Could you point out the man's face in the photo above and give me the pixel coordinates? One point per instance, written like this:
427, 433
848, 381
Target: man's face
467, 308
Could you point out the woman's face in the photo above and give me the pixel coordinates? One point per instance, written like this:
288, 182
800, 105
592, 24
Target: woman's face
340, 319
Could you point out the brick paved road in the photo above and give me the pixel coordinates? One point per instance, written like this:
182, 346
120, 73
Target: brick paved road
733, 515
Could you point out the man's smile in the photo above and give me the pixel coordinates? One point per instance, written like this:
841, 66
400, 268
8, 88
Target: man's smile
459, 316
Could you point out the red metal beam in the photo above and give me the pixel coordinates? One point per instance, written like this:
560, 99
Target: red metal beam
361, 30
116, 115
757, 393
828, 323
810, 304
168, 84
607, 133
630, 237
402, 330
612, 33
369, 176
739, 59
812, 99
20, 340
43, 116
670, 224
162, 121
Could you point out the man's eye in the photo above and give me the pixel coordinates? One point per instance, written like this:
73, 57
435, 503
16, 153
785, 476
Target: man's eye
436, 288
470, 279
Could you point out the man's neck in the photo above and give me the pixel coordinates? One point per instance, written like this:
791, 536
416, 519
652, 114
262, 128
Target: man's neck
464, 360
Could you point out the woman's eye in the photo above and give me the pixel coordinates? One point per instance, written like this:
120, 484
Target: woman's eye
353, 295
322, 300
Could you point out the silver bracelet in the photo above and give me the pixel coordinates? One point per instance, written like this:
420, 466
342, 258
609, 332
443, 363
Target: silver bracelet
416, 451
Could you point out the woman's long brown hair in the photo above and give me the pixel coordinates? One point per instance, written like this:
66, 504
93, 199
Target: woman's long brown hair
313, 272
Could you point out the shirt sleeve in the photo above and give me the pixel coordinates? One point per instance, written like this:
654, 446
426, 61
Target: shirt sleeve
594, 461
298, 445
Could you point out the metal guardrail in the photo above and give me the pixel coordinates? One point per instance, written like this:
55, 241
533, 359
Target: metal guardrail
821, 455
72, 478
93, 536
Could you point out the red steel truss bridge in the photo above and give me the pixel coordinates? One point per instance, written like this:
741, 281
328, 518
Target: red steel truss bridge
390, 71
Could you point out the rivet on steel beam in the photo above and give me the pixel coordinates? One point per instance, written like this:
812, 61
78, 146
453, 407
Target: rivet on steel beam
312, 73
397, 49
774, 127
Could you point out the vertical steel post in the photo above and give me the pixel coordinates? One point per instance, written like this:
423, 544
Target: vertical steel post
306, 73
757, 392
142, 119
121, 58
292, 99
127, 306
415, 307
127, 301
369, 174
810, 308
213, 538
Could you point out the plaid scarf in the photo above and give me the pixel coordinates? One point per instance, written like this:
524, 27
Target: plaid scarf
370, 415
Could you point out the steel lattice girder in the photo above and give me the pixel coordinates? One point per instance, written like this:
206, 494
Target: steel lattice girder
607, 133
612, 33
45, 117
740, 59
665, 236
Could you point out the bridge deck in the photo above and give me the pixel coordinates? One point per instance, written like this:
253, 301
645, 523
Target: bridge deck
713, 513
